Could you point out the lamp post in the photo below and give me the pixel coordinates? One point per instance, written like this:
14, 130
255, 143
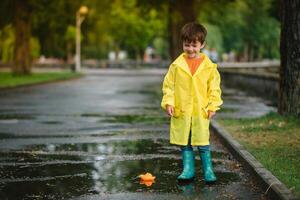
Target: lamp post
80, 15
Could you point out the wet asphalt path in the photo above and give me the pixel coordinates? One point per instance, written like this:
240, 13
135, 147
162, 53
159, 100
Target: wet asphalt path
90, 138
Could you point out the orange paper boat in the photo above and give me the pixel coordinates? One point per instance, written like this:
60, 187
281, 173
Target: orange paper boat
147, 183
147, 177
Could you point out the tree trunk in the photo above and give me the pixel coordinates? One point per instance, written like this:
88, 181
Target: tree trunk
245, 56
289, 88
69, 52
22, 24
117, 52
180, 13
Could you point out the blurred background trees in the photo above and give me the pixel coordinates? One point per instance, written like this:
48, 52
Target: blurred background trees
250, 28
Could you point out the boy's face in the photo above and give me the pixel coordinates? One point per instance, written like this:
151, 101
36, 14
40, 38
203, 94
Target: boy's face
192, 49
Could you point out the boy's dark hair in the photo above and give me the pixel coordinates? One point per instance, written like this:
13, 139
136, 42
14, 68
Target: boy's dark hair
192, 32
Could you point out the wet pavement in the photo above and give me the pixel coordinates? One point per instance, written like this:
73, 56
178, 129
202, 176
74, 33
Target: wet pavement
90, 138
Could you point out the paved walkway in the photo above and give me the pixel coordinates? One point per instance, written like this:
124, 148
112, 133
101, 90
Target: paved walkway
89, 139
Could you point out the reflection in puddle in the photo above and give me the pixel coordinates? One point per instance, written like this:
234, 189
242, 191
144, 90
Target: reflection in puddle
129, 147
104, 177
16, 116
133, 118
143, 146
110, 167
52, 122
110, 177
110, 170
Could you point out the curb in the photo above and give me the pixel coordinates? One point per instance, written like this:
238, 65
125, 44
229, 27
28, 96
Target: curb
274, 189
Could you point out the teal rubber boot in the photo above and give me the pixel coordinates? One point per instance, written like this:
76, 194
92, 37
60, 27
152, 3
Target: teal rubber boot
205, 155
188, 162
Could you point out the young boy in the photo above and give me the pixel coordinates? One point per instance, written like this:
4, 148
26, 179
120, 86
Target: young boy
191, 96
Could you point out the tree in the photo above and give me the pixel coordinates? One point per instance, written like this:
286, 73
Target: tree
180, 12
22, 24
131, 27
70, 37
50, 21
249, 27
289, 89
7, 43
18, 13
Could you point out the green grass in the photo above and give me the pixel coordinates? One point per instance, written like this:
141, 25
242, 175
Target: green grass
274, 140
8, 80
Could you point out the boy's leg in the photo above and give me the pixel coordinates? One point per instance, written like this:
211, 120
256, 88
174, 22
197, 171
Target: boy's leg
207, 167
188, 162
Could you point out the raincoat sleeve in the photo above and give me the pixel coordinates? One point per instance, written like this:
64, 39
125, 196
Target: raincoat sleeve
214, 91
168, 88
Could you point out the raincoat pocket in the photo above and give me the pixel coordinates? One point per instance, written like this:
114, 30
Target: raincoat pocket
177, 112
204, 113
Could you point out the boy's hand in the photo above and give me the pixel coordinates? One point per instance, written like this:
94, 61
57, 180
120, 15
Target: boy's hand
210, 114
170, 110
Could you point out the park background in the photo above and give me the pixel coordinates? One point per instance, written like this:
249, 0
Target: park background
249, 29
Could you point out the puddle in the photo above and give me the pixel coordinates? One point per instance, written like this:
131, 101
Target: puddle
148, 108
128, 147
103, 177
6, 135
94, 115
56, 188
23, 157
16, 117
95, 134
9, 121
122, 177
144, 146
51, 122
131, 119
137, 119
108, 168
153, 91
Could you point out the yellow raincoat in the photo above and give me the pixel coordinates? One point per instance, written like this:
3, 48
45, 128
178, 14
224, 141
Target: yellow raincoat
192, 96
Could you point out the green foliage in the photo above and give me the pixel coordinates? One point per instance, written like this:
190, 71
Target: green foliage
6, 7
34, 47
7, 42
269, 39
214, 37
116, 25
161, 46
264, 30
245, 25
70, 34
132, 25
50, 21
140, 26
8, 80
